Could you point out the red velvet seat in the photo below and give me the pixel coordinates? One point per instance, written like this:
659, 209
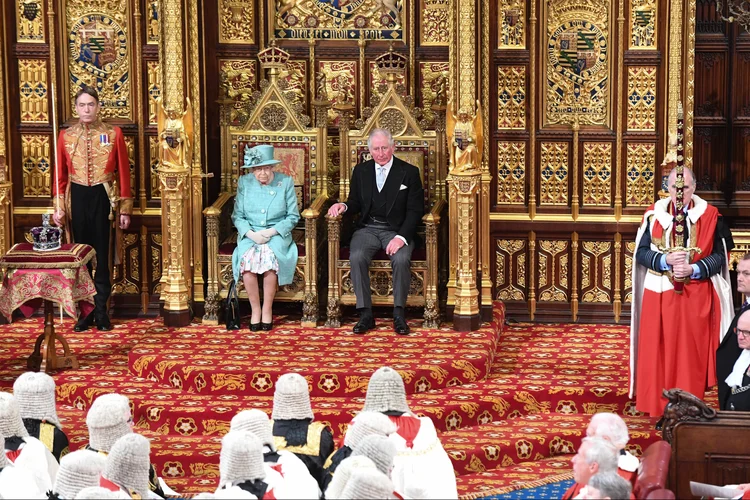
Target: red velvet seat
652, 474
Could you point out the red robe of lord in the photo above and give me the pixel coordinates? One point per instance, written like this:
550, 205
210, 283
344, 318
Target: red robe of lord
674, 337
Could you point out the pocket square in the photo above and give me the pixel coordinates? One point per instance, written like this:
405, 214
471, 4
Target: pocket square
402, 187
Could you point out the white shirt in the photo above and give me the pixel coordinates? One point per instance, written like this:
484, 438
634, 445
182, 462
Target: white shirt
387, 167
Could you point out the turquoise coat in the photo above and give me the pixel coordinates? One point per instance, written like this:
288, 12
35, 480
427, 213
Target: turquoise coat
258, 207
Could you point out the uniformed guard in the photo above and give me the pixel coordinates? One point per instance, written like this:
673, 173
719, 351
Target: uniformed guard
88, 155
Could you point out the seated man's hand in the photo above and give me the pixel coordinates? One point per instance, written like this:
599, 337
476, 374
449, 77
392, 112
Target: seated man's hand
676, 257
59, 217
337, 209
124, 221
394, 246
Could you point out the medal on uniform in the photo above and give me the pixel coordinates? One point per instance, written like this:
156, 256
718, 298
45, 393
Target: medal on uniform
104, 139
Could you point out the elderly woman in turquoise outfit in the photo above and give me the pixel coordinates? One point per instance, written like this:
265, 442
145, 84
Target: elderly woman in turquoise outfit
265, 212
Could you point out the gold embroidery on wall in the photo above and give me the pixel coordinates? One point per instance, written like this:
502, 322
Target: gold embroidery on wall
595, 252
597, 174
643, 24
642, 98
511, 173
510, 278
553, 278
30, 22
554, 173
236, 21
578, 61
433, 26
32, 88
511, 97
154, 90
641, 161
35, 162
511, 24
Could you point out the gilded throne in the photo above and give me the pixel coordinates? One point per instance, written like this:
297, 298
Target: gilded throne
425, 149
271, 117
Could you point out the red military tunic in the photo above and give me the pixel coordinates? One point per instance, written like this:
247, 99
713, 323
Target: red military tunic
90, 154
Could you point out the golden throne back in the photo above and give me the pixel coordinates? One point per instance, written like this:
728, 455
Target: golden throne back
271, 117
395, 112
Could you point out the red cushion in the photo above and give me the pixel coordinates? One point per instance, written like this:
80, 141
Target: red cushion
419, 253
228, 249
70, 255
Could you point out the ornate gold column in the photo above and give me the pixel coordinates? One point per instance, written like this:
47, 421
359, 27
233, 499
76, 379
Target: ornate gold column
196, 172
175, 140
6, 227
464, 187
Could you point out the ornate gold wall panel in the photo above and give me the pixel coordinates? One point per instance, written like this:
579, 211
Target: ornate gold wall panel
152, 22
156, 261
295, 76
596, 271
643, 15
127, 274
432, 76
36, 161
153, 156
511, 97
241, 78
511, 173
32, 83
466, 54
597, 174
154, 90
628, 290
641, 162
511, 24
433, 24
553, 270
341, 81
98, 52
378, 83
553, 175
642, 98
30, 21
236, 21
320, 19
130, 144
578, 61
510, 270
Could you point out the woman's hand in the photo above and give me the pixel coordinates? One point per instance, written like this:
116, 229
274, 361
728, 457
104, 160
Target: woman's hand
257, 237
268, 233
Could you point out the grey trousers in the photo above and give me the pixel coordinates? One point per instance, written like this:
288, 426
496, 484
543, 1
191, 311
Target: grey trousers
364, 245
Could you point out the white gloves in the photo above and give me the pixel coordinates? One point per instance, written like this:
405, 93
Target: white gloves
261, 237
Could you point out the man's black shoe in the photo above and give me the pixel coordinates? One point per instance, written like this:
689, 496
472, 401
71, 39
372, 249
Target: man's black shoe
103, 324
400, 326
83, 323
363, 325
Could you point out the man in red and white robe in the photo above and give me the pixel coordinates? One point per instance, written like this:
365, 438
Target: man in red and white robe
674, 337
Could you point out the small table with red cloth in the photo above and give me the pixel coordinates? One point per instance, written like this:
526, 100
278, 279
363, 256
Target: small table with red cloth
55, 276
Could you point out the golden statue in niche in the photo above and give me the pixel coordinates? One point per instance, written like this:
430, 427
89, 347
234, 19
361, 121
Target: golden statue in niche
175, 136
466, 136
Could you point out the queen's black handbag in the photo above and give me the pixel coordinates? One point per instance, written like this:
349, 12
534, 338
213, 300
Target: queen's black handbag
232, 311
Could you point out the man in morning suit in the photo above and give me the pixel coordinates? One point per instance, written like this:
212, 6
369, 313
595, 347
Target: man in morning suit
387, 193
729, 351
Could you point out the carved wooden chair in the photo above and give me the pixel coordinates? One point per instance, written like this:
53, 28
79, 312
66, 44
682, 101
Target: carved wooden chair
272, 118
425, 149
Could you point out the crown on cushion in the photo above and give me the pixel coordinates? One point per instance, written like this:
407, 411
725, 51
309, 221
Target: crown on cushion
46, 237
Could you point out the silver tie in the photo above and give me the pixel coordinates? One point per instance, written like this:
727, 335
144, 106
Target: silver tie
381, 178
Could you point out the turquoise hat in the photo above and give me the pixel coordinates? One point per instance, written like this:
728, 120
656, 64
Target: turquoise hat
259, 156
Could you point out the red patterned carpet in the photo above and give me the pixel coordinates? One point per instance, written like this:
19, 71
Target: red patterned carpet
512, 403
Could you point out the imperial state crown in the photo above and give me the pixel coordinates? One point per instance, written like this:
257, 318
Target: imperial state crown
46, 237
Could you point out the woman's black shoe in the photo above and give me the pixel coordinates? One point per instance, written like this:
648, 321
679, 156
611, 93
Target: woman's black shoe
266, 326
254, 327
